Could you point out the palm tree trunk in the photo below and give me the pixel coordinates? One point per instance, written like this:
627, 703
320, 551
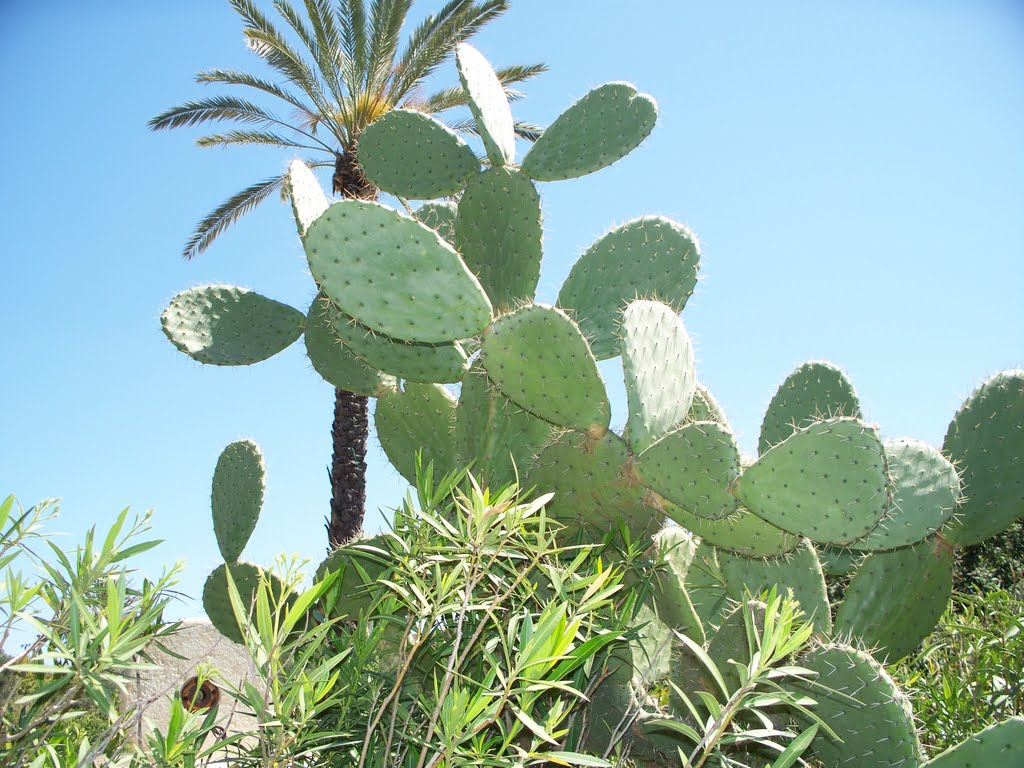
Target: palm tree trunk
351, 424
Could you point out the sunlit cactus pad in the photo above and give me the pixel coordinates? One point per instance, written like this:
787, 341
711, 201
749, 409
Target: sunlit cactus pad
237, 496
488, 103
227, 325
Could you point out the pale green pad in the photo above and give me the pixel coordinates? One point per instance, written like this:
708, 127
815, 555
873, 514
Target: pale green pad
814, 391
896, 598
839, 561
364, 560
410, 360
336, 363
413, 155
307, 196
225, 325
694, 467
986, 443
742, 532
237, 496
420, 418
498, 437
593, 486
439, 217
706, 408
826, 482
998, 746
539, 358
925, 493
651, 258
799, 571
705, 585
488, 103
658, 367
598, 130
393, 274
217, 603
876, 729
671, 602
498, 232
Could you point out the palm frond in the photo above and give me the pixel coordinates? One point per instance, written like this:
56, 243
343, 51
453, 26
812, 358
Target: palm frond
448, 98
267, 138
523, 130
228, 213
298, 25
330, 58
212, 109
238, 77
417, 64
352, 20
386, 20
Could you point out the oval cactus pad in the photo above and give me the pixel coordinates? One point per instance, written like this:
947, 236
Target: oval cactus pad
419, 418
658, 366
307, 196
985, 441
651, 257
237, 496
925, 493
336, 363
599, 129
827, 482
814, 391
539, 359
498, 232
394, 275
415, 156
439, 217
217, 601
742, 532
225, 325
488, 103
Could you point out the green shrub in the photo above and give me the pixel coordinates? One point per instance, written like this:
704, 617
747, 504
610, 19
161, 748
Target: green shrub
995, 564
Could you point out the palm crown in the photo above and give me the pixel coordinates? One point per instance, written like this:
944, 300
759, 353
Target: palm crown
351, 72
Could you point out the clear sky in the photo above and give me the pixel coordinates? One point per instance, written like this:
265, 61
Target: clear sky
855, 172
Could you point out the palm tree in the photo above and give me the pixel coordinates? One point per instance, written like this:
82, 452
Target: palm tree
350, 73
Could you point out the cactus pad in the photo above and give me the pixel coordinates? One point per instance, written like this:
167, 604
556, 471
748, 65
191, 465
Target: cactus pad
394, 275
986, 443
694, 467
998, 746
410, 360
225, 325
742, 532
658, 366
364, 561
488, 103
826, 482
498, 232
669, 598
541, 361
336, 363
439, 217
867, 711
705, 586
413, 155
814, 391
706, 408
493, 433
594, 487
839, 561
649, 257
308, 199
419, 418
237, 496
599, 129
926, 489
896, 598
799, 571
217, 602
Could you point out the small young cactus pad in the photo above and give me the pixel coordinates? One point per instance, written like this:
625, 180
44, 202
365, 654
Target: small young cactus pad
826, 482
658, 366
814, 391
498, 232
439, 217
225, 325
488, 103
335, 362
237, 496
413, 155
649, 257
599, 129
541, 361
394, 275
307, 196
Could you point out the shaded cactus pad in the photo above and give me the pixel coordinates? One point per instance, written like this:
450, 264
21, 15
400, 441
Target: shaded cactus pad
227, 325
420, 417
394, 275
336, 363
216, 599
236, 498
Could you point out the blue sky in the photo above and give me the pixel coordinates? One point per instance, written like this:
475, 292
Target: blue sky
855, 172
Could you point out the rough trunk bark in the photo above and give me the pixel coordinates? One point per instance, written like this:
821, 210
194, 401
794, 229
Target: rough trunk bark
351, 424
